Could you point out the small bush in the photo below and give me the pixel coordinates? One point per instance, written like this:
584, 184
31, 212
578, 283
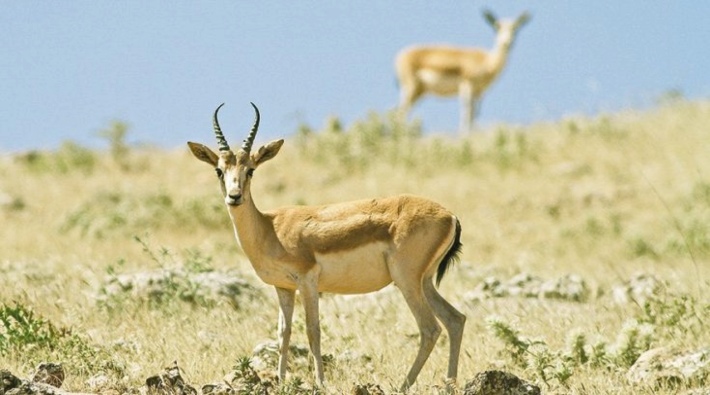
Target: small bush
179, 281
633, 340
70, 157
109, 213
381, 139
245, 380
511, 149
115, 134
22, 332
21, 329
561, 365
674, 316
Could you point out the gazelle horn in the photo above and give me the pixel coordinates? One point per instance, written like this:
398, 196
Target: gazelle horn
246, 146
221, 141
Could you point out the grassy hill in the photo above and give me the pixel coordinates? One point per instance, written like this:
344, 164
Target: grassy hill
603, 198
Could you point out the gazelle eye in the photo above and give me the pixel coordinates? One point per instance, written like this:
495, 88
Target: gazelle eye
250, 172
220, 174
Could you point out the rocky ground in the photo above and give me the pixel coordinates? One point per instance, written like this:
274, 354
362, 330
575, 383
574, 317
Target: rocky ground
48, 379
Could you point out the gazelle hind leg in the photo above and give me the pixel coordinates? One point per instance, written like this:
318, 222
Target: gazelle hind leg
410, 92
429, 329
286, 303
452, 319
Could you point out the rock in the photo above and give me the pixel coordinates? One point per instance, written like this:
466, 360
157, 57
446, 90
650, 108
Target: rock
46, 381
243, 379
522, 284
367, 389
98, 382
490, 287
228, 285
218, 389
665, 367
31, 388
156, 285
266, 355
638, 288
570, 287
495, 382
169, 382
49, 373
8, 381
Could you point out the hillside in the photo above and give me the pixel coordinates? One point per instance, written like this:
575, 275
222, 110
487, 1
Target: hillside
600, 199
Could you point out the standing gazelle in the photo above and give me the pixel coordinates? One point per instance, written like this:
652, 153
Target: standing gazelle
446, 70
346, 248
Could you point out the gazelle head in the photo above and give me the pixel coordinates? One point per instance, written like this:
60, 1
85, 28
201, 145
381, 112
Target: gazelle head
506, 29
235, 170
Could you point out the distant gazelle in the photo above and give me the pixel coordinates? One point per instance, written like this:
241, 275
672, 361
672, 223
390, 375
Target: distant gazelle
446, 70
346, 248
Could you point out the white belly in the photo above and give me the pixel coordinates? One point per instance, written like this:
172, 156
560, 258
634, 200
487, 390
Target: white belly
361, 270
439, 83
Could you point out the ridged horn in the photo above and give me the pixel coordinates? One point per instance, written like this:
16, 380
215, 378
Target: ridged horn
221, 141
246, 146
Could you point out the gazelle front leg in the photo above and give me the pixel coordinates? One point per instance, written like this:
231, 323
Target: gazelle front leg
286, 301
309, 297
410, 92
468, 106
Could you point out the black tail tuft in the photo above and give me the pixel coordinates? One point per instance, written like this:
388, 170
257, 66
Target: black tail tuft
452, 256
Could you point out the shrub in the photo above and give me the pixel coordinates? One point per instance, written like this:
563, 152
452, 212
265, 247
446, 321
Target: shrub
22, 332
68, 158
561, 365
108, 213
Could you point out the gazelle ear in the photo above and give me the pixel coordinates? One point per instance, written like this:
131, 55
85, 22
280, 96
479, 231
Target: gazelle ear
490, 18
523, 19
266, 152
203, 153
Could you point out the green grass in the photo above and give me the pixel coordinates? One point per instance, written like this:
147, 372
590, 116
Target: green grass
604, 198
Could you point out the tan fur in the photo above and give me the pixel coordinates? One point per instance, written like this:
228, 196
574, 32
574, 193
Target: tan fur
352, 247
446, 70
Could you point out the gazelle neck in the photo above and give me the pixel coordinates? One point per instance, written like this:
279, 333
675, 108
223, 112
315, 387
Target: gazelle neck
498, 56
251, 227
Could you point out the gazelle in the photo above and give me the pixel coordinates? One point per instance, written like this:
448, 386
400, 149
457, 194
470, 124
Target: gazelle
446, 70
347, 248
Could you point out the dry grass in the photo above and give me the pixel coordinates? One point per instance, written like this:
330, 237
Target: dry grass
604, 198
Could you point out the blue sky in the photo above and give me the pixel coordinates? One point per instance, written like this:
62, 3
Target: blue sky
68, 68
